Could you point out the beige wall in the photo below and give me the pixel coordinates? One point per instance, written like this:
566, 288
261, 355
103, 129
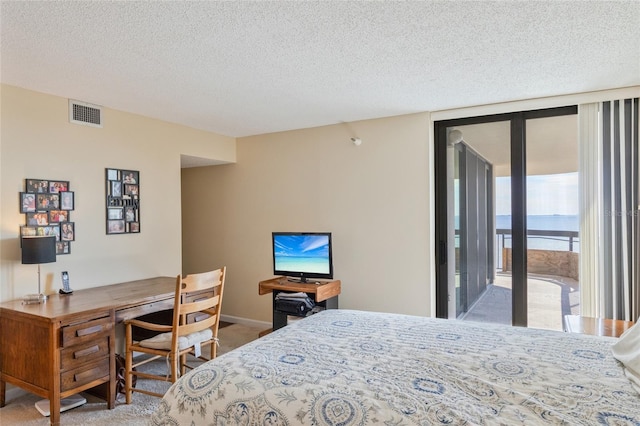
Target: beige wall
374, 198
37, 141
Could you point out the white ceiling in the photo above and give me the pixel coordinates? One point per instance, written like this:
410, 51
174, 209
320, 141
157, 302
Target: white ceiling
245, 68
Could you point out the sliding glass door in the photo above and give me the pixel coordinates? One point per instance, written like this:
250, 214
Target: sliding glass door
481, 219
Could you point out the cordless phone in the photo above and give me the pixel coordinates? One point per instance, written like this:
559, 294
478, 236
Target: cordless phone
65, 284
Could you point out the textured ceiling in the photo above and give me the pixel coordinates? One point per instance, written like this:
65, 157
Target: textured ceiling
245, 68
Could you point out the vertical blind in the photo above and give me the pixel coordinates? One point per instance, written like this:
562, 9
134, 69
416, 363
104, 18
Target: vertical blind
609, 209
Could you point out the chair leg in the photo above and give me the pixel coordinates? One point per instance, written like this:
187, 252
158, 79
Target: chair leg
183, 364
214, 350
128, 366
175, 358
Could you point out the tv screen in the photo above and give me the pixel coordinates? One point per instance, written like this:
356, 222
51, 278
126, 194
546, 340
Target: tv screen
302, 255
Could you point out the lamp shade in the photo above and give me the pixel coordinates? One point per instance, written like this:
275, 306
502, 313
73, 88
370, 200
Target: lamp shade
38, 249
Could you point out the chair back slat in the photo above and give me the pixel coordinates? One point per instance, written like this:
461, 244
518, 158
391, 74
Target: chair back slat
185, 329
199, 305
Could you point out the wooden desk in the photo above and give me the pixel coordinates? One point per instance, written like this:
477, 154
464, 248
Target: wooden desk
595, 326
324, 293
67, 344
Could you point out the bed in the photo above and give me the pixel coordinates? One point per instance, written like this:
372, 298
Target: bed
344, 367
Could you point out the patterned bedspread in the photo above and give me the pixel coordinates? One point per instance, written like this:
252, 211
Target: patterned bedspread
342, 367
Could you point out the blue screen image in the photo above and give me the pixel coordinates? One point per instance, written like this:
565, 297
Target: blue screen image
301, 253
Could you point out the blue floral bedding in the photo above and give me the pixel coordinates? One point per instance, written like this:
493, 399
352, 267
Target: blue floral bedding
342, 367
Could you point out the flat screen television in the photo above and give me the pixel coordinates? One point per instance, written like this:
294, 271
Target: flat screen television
302, 255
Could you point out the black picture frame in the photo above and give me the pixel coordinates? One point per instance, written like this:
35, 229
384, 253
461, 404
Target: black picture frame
42, 204
68, 231
115, 189
116, 226
28, 231
113, 174
63, 247
130, 214
37, 218
47, 201
130, 191
115, 213
67, 200
122, 206
27, 202
57, 186
130, 177
58, 216
36, 186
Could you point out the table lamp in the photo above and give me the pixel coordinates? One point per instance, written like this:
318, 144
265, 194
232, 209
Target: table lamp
38, 250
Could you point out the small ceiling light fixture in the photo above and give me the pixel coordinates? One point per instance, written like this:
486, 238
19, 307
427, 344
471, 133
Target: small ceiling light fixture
356, 141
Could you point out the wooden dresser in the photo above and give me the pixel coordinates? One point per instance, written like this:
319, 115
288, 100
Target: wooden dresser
67, 344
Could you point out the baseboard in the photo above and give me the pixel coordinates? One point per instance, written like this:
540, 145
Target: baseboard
245, 321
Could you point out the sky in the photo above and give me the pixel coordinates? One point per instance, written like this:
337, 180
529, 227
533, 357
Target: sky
546, 194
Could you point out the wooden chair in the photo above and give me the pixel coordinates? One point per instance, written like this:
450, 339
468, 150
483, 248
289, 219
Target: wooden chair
196, 315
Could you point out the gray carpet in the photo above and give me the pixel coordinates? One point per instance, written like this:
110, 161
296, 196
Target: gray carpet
21, 410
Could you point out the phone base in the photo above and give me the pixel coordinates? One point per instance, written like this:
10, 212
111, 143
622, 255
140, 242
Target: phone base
61, 291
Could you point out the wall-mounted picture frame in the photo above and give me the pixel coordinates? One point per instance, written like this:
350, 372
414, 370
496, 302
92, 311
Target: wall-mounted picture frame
113, 174
47, 204
115, 227
37, 218
122, 188
130, 191
129, 177
35, 186
130, 214
27, 202
67, 201
63, 247
28, 231
56, 186
67, 231
116, 189
58, 216
114, 213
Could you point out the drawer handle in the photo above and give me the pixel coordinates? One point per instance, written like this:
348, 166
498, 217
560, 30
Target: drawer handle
89, 374
90, 330
85, 352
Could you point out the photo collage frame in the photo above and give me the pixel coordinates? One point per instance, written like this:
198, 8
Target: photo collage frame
123, 201
47, 205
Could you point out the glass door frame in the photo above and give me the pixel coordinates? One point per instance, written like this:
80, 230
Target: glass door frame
518, 204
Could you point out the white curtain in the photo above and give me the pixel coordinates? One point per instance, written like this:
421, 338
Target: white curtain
609, 209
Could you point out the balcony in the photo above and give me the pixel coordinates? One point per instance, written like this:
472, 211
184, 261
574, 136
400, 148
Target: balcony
553, 280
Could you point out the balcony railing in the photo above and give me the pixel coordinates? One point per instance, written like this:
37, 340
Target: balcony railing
537, 240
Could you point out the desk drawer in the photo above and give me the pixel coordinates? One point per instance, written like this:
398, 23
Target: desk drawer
140, 310
85, 374
85, 332
74, 356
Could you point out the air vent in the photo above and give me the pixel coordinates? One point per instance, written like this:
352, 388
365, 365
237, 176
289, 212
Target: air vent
86, 114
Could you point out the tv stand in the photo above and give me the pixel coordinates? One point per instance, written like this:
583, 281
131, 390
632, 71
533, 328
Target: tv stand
323, 293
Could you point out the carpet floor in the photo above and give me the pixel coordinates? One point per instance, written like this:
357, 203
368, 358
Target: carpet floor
21, 410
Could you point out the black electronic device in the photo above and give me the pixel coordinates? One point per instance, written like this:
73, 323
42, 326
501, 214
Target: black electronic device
66, 289
293, 303
302, 255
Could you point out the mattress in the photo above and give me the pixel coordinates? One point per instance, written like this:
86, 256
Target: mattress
344, 367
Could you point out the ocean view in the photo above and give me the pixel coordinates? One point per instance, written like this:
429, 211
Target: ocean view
554, 222
545, 223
